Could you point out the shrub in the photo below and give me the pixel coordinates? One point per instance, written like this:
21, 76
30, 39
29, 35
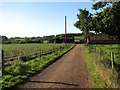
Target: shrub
21, 68
7, 70
17, 69
11, 59
7, 78
23, 58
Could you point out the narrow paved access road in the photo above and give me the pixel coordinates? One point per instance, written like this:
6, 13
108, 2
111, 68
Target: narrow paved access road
70, 71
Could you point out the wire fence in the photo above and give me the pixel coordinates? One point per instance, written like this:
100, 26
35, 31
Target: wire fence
109, 58
41, 52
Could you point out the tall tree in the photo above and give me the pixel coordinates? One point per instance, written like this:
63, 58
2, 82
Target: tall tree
83, 23
107, 21
101, 5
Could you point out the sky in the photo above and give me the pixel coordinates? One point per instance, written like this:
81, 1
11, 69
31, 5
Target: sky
33, 19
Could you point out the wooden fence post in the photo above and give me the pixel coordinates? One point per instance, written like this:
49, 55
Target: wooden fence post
42, 52
94, 48
2, 60
112, 59
53, 48
100, 52
60, 48
45, 52
39, 53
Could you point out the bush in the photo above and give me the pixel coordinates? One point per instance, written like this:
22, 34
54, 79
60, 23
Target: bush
11, 59
21, 69
7, 78
23, 58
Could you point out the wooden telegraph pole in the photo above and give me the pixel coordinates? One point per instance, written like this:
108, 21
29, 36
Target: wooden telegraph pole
65, 32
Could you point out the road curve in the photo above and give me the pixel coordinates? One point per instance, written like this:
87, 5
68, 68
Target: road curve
70, 71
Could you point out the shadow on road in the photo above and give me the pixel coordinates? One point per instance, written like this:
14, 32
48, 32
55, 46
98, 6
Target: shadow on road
54, 83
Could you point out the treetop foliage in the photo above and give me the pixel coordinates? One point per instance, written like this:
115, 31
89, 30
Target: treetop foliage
106, 21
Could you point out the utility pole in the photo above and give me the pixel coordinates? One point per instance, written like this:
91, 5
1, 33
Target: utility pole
65, 32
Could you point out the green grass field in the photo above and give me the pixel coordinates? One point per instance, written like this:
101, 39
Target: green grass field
106, 51
108, 48
12, 50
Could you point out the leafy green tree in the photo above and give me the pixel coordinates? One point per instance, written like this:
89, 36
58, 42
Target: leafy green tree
96, 23
83, 23
100, 5
107, 21
4, 38
26, 39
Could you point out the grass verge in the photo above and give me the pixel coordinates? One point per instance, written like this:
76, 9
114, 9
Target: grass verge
97, 80
20, 71
102, 76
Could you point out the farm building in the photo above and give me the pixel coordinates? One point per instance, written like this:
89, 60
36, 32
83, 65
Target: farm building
62, 40
100, 39
79, 39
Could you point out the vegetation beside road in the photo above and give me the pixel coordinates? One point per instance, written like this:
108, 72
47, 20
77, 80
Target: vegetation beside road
97, 80
100, 71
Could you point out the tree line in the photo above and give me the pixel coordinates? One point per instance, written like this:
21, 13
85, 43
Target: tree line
44, 39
